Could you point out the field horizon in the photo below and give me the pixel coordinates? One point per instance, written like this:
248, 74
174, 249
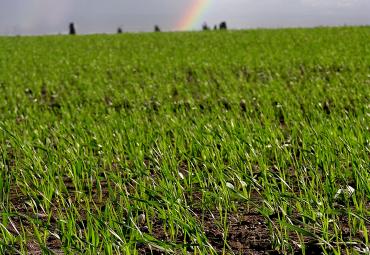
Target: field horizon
65, 33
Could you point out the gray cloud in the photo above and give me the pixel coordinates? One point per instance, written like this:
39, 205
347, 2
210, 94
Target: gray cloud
52, 16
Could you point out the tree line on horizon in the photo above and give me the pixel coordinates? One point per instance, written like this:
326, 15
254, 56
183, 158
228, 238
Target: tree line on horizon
205, 27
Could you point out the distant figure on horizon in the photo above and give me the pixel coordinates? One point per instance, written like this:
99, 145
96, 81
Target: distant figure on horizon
119, 30
223, 25
205, 26
72, 29
157, 28
215, 27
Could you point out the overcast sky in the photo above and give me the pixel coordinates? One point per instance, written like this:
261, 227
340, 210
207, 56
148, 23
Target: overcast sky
105, 16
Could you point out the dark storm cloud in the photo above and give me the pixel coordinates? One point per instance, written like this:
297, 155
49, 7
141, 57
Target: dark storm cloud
52, 16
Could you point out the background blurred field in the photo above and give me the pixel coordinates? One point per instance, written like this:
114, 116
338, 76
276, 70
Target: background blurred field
234, 142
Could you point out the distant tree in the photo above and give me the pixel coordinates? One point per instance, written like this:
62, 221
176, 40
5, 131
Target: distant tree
119, 30
223, 25
205, 26
157, 28
215, 27
72, 29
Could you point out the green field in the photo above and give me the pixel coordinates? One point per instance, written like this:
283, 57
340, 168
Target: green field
224, 142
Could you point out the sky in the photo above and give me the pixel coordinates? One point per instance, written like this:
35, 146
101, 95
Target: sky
28, 17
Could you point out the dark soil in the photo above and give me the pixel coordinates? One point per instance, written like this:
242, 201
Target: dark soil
247, 233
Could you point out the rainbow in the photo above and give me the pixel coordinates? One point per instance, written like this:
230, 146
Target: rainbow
193, 16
